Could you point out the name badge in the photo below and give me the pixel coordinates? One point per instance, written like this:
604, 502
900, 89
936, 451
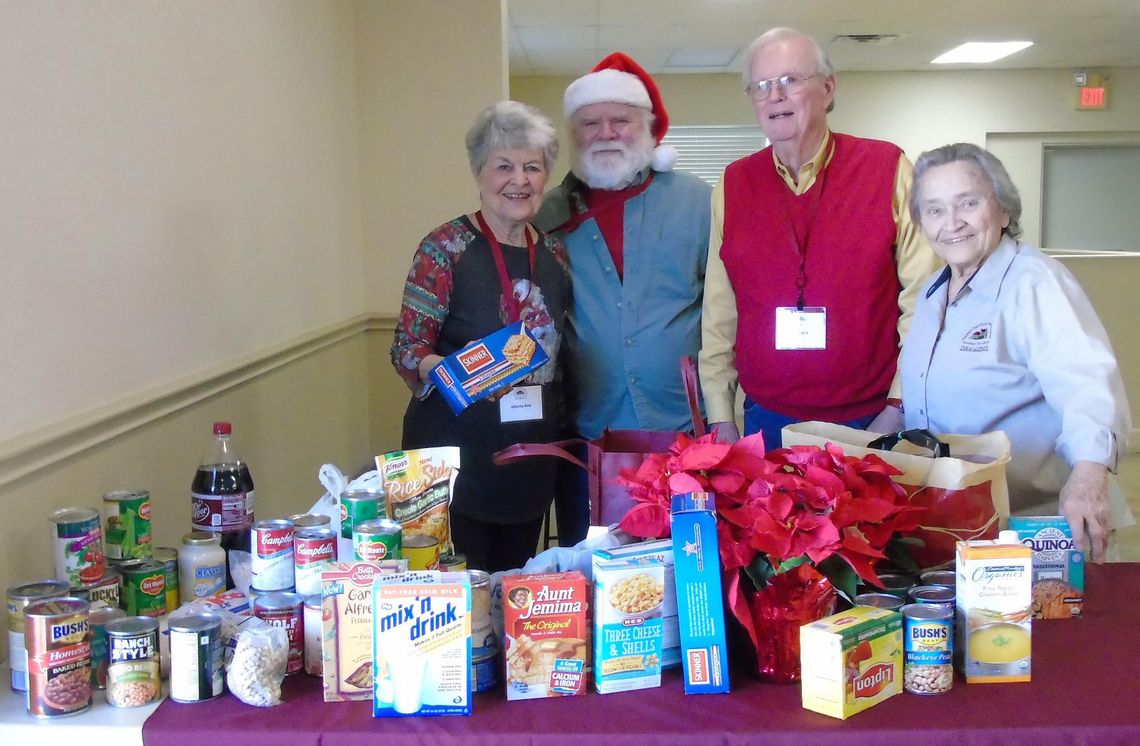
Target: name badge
521, 404
801, 329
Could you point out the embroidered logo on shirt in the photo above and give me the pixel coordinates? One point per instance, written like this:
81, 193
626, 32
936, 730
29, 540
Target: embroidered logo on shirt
978, 338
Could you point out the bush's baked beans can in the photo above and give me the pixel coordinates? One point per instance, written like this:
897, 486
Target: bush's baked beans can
144, 587
271, 543
452, 562
107, 591
314, 625
310, 520
77, 546
285, 610
21, 597
314, 550
928, 648
422, 552
168, 556
56, 633
357, 506
133, 675
377, 539
99, 617
196, 658
126, 521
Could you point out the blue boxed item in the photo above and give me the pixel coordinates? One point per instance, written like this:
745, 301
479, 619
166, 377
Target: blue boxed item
482, 368
700, 603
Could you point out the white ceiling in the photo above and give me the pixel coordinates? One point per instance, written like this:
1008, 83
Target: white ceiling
568, 37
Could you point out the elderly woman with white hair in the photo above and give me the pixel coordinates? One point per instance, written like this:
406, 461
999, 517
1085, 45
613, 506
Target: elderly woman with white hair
1005, 339
470, 277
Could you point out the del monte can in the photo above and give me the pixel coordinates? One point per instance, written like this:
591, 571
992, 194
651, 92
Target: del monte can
144, 588
126, 515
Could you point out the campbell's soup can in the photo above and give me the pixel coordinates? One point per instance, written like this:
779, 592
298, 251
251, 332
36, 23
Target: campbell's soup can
310, 520
21, 597
314, 626
59, 657
77, 546
133, 669
314, 549
196, 658
99, 617
285, 610
107, 591
376, 540
126, 520
357, 506
422, 552
144, 587
271, 543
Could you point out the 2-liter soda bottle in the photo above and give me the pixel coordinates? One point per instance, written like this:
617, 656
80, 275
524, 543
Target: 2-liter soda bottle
222, 494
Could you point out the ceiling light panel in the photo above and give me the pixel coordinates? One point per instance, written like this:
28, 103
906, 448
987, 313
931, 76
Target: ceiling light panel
980, 52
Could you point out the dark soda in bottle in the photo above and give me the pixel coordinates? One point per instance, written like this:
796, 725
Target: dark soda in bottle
222, 494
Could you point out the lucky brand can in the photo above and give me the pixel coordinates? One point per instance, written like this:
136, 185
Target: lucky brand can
126, 519
77, 544
168, 556
133, 676
196, 658
285, 610
21, 597
107, 591
144, 587
928, 648
98, 619
377, 539
314, 550
59, 657
357, 506
271, 543
421, 551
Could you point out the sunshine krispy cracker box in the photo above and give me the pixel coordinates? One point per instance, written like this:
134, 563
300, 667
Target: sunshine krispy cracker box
482, 368
546, 620
700, 607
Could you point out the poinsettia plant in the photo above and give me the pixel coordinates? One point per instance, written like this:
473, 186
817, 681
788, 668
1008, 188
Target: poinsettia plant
780, 509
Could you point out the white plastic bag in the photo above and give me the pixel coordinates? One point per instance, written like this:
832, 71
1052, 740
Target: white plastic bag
258, 666
328, 504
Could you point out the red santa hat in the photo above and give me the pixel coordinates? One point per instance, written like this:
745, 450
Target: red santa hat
619, 80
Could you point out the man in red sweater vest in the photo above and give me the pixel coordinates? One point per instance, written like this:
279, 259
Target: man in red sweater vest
813, 259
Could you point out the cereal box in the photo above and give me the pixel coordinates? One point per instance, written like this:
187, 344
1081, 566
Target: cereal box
851, 661
1058, 566
661, 550
484, 367
629, 593
994, 598
422, 642
546, 628
700, 608
346, 634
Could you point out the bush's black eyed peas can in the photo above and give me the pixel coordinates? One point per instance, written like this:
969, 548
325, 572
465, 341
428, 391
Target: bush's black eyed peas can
57, 636
21, 597
133, 676
196, 658
126, 519
376, 540
928, 648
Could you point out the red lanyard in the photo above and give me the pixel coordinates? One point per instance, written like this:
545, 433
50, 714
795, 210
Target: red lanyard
514, 308
815, 195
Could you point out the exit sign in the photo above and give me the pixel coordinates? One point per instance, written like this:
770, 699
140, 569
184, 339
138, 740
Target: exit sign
1093, 97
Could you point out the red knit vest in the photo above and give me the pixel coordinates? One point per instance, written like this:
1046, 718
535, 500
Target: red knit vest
850, 270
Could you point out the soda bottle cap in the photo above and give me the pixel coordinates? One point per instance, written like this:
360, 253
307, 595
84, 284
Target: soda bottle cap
222, 428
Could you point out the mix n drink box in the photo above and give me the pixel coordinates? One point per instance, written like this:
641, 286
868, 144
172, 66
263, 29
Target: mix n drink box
629, 593
482, 368
1058, 566
994, 597
851, 661
546, 624
700, 611
662, 551
422, 639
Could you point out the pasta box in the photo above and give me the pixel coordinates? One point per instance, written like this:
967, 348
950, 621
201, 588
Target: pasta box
483, 367
628, 598
660, 550
546, 622
1058, 566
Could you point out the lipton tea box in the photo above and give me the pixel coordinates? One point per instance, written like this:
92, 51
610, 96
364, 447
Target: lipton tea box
851, 661
422, 644
662, 551
994, 599
483, 367
546, 623
1058, 566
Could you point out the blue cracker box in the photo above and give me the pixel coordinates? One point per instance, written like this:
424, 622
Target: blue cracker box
421, 663
700, 602
1058, 566
482, 368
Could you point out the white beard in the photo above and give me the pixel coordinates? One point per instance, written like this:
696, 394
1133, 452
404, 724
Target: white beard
613, 171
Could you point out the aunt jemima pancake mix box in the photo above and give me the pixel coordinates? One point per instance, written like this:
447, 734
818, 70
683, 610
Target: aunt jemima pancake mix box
546, 623
1058, 566
851, 661
484, 367
628, 596
422, 638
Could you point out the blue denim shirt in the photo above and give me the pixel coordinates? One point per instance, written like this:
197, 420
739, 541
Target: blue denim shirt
625, 341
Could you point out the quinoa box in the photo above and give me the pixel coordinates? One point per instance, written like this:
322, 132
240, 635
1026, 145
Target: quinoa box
629, 594
1058, 566
483, 367
546, 625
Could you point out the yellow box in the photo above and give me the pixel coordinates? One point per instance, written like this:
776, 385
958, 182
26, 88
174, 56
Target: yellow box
851, 661
993, 623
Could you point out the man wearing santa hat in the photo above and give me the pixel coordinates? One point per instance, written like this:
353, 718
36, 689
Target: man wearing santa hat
637, 234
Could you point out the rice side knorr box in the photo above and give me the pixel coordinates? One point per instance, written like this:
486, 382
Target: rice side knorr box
700, 607
661, 550
483, 367
851, 661
546, 621
1058, 566
628, 598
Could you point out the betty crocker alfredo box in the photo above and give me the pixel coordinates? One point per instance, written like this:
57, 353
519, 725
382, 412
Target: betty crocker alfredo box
482, 368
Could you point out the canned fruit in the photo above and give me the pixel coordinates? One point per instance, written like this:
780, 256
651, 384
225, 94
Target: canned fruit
77, 542
126, 514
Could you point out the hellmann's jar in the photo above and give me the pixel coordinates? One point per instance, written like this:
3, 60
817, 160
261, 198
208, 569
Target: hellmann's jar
201, 566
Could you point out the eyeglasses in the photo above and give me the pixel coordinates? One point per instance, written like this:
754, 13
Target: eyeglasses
791, 82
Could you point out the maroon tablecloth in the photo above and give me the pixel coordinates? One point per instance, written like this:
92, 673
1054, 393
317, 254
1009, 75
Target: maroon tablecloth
1085, 688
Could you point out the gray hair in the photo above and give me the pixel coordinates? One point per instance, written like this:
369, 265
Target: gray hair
1005, 192
509, 125
786, 33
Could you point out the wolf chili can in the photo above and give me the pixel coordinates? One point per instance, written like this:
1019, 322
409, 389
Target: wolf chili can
144, 588
133, 665
21, 597
272, 560
126, 521
377, 539
77, 545
314, 550
196, 658
285, 610
57, 636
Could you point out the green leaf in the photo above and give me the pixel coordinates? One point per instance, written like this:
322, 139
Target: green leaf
897, 552
792, 563
841, 575
759, 571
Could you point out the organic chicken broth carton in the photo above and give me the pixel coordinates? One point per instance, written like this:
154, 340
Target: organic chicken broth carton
546, 625
994, 597
851, 661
